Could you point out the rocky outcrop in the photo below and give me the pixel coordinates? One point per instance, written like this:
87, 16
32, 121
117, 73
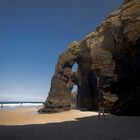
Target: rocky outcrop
65, 78
111, 53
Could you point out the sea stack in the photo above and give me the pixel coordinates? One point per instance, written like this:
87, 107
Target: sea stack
112, 53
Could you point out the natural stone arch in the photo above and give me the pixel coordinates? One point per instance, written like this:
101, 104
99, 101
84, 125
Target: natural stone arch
59, 98
65, 78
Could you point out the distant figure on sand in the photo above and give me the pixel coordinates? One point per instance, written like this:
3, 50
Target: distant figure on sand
101, 101
101, 108
1, 106
20, 104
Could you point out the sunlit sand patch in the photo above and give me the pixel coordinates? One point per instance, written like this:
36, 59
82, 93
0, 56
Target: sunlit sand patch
29, 115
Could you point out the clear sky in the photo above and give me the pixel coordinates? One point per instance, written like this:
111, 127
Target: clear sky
32, 35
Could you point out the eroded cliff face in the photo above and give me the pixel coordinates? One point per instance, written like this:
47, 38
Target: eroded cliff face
111, 53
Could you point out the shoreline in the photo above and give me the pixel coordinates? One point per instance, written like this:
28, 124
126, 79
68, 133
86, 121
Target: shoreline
29, 115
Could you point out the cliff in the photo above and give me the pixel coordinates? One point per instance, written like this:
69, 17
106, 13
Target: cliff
111, 53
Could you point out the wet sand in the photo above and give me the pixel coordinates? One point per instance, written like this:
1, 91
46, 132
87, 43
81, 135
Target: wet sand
26, 124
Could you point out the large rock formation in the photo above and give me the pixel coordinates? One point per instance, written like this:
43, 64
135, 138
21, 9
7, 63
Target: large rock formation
111, 53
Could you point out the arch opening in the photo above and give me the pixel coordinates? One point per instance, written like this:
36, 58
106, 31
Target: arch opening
74, 97
74, 67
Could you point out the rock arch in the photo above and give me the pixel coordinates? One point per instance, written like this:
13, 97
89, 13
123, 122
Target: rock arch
59, 98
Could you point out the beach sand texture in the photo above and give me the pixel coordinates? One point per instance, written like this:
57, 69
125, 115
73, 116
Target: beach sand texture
26, 124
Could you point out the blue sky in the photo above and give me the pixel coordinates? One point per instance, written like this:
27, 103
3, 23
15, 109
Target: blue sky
32, 35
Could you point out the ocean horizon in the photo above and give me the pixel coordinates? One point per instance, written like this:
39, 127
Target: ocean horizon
14, 104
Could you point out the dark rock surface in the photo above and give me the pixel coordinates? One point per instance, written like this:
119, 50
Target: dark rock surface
111, 53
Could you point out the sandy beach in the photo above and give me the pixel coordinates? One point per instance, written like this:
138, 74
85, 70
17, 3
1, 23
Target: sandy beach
26, 124
29, 115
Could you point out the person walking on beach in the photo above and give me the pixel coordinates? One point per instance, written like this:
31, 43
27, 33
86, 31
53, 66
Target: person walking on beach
101, 101
21, 104
101, 108
1, 106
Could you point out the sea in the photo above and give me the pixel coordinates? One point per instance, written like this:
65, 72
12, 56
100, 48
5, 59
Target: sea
14, 105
